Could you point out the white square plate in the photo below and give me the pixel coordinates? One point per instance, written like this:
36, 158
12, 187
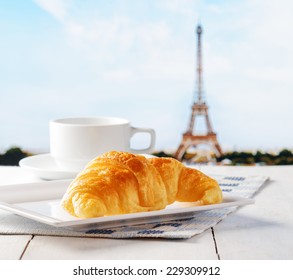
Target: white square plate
41, 202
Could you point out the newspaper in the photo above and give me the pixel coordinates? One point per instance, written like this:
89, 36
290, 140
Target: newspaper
176, 229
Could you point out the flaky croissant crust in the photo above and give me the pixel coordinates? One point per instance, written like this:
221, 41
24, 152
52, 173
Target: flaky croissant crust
120, 183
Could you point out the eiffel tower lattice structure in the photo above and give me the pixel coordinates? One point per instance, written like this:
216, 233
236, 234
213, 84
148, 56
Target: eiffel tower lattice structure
191, 138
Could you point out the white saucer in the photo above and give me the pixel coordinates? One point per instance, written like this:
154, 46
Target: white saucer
44, 167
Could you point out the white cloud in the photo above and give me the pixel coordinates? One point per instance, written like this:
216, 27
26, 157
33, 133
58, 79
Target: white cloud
184, 7
57, 8
137, 50
247, 66
119, 76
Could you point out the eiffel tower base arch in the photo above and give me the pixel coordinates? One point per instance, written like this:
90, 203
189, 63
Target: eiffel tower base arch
190, 140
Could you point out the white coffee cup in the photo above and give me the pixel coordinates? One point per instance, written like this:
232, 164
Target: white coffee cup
76, 141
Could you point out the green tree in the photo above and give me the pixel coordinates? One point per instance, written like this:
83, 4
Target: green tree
12, 156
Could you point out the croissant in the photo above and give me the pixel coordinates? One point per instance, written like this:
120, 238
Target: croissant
119, 183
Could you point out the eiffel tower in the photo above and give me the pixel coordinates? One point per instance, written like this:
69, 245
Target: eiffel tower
191, 138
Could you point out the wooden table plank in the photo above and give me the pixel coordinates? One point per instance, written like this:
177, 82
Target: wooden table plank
260, 231
16, 175
48, 247
263, 230
13, 246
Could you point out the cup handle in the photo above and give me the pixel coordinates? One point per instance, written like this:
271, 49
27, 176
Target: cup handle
150, 131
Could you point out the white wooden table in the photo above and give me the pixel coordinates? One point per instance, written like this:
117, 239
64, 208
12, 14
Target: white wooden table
263, 230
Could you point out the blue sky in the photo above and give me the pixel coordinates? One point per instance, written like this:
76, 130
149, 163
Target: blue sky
136, 59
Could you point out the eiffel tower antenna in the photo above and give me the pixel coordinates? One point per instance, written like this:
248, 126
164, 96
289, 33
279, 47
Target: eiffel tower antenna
199, 64
191, 138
